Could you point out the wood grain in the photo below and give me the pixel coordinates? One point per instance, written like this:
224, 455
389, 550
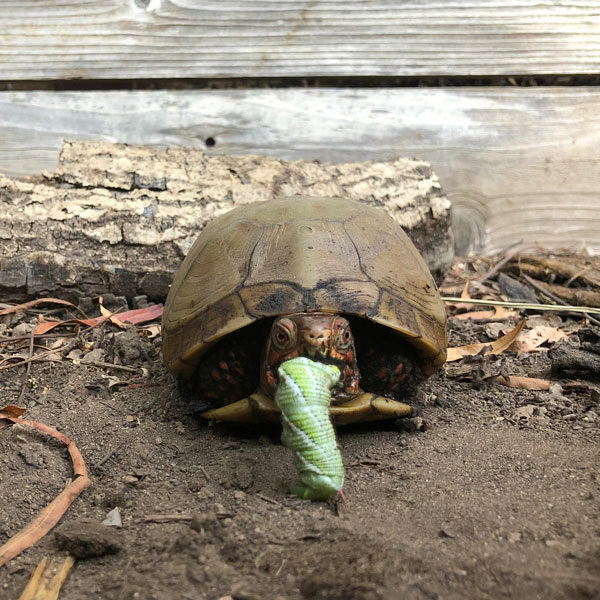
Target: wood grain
518, 164
133, 39
119, 219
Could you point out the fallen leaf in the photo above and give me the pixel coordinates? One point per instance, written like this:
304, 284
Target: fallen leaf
535, 337
138, 315
524, 383
142, 315
110, 316
496, 347
12, 411
151, 331
498, 313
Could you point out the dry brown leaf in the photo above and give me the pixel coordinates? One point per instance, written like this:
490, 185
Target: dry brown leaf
524, 383
536, 336
151, 331
12, 411
498, 313
138, 315
495, 347
109, 315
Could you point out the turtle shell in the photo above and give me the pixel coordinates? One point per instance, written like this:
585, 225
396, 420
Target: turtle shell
301, 254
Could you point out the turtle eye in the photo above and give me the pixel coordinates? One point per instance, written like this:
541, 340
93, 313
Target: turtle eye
283, 334
344, 338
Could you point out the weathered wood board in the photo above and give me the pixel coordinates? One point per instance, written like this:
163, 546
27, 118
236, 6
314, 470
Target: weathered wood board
519, 164
120, 219
133, 39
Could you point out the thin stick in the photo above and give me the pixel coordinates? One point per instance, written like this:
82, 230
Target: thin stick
496, 267
267, 499
49, 516
524, 306
106, 457
28, 368
531, 281
107, 365
33, 358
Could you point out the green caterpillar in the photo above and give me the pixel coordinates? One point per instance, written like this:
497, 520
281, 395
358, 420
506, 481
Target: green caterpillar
303, 396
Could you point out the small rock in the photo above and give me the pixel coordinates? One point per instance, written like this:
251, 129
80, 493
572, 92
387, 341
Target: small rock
412, 425
22, 329
32, 455
127, 346
524, 413
569, 417
459, 572
239, 591
75, 354
514, 537
84, 539
239, 495
96, 355
139, 301
113, 518
556, 389
446, 532
130, 480
590, 416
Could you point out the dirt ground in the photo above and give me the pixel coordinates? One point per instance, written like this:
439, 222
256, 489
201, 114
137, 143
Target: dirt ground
496, 498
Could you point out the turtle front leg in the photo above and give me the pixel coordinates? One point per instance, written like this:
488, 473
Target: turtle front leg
256, 408
368, 407
259, 408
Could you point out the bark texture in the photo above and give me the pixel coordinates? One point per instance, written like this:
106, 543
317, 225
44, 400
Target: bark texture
119, 219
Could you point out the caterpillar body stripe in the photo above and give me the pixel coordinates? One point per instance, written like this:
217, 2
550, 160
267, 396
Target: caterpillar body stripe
303, 396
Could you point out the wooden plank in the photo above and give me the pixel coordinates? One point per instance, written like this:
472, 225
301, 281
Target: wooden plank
134, 39
517, 163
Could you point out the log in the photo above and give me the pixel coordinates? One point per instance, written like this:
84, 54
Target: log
118, 219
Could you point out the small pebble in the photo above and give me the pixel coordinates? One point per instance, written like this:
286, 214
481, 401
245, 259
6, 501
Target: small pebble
85, 539
113, 518
412, 425
96, 355
22, 329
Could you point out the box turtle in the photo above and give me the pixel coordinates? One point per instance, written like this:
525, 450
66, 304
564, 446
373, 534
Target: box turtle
332, 280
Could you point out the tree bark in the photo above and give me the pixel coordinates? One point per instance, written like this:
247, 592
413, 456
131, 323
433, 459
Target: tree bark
119, 219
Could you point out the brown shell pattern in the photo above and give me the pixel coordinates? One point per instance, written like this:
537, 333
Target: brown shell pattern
301, 254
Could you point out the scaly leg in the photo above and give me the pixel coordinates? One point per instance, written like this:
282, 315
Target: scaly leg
256, 408
259, 408
368, 407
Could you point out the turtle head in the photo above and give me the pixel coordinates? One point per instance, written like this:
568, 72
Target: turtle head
322, 337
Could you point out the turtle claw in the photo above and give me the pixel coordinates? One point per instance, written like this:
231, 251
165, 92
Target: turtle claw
368, 407
256, 408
